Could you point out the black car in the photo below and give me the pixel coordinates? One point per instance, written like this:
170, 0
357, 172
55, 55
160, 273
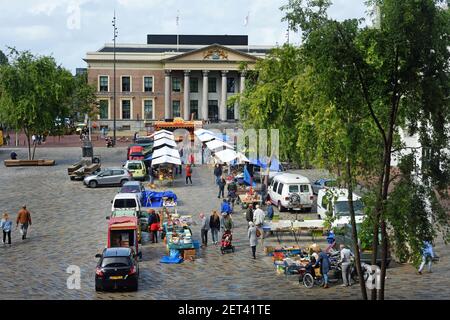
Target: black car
117, 268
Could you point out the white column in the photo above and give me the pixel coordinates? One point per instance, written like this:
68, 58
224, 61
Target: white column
186, 95
241, 90
205, 95
223, 100
167, 113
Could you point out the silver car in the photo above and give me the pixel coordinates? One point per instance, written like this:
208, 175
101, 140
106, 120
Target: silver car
108, 177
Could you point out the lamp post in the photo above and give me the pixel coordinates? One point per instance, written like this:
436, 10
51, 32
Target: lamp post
114, 80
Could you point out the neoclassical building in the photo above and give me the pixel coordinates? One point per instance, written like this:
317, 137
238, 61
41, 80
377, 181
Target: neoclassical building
187, 76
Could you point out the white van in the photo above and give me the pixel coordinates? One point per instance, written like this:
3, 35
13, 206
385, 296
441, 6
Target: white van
291, 191
126, 201
334, 202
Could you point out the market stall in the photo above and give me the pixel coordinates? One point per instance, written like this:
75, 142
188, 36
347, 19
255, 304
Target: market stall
154, 199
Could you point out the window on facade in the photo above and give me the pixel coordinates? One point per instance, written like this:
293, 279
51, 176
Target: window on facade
103, 83
231, 84
176, 84
212, 85
126, 84
176, 108
193, 85
148, 109
148, 84
103, 109
126, 109
194, 109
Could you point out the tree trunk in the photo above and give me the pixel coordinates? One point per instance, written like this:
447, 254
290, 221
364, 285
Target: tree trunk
354, 231
34, 150
27, 134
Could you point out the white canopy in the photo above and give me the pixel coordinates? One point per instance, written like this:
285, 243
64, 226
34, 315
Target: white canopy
216, 144
164, 135
166, 159
164, 141
226, 155
160, 132
242, 158
199, 132
207, 137
166, 151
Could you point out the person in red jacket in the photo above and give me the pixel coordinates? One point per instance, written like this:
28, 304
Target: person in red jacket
188, 173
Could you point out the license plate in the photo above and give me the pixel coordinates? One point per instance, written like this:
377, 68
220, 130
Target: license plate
116, 277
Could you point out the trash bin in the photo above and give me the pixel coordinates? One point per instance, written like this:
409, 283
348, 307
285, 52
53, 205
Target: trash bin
87, 149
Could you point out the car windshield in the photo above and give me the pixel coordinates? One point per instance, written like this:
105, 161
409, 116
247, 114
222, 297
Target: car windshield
144, 141
342, 208
134, 166
125, 203
116, 262
130, 189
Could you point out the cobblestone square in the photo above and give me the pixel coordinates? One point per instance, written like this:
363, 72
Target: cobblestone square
69, 228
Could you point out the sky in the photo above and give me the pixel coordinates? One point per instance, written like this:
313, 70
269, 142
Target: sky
68, 29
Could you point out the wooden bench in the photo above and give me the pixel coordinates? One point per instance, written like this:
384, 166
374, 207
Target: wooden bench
30, 163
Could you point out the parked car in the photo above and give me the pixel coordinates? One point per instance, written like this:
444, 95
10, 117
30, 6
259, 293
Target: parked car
291, 191
108, 177
323, 183
334, 202
117, 268
126, 201
137, 168
133, 187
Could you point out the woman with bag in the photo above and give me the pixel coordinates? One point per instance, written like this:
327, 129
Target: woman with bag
253, 237
154, 225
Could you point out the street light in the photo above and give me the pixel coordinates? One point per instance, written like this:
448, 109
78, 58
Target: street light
114, 79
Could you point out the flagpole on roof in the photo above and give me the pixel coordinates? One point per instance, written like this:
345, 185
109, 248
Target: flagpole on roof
178, 33
246, 25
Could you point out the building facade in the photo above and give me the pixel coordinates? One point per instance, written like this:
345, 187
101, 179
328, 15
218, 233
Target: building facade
187, 76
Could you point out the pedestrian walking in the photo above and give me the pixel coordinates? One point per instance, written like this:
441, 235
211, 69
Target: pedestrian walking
153, 223
249, 213
346, 262
227, 222
222, 183
6, 226
263, 193
269, 210
33, 139
8, 139
188, 173
214, 224
218, 172
191, 159
258, 219
253, 238
225, 207
324, 262
427, 256
204, 228
24, 219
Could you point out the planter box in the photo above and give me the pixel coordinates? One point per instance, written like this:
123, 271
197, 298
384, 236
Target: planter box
30, 163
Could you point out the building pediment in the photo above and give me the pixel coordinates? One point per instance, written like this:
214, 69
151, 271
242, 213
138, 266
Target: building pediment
213, 53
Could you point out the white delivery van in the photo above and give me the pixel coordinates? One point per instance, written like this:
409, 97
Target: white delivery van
291, 191
334, 202
126, 201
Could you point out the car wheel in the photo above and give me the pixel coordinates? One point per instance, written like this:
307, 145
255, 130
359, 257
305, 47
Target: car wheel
134, 287
280, 207
72, 178
123, 182
93, 184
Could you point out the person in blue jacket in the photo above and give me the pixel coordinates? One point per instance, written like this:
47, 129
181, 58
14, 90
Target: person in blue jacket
427, 256
225, 207
324, 262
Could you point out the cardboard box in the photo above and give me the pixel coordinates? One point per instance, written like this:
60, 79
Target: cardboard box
189, 254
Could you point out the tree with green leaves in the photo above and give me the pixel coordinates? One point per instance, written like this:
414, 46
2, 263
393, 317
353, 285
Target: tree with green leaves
402, 71
37, 95
3, 58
